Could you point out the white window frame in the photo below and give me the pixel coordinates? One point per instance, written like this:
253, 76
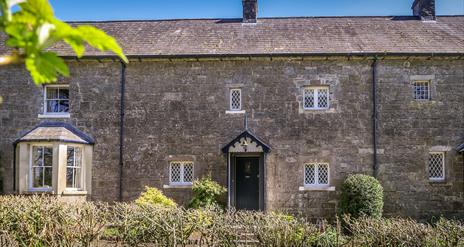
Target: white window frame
429, 90
231, 91
31, 175
74, 167
316, 174
182, 176
316, 97
45, 105
435, 179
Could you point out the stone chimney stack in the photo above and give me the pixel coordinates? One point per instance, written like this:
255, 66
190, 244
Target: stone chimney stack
425, 9
250, 10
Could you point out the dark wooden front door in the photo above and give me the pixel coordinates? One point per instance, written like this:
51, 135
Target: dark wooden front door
247, 183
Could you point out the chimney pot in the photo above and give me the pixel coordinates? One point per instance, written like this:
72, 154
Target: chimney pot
250, 10
425, 9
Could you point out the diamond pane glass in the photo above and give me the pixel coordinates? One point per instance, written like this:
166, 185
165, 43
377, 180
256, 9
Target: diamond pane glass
310, 174
436, 166
188, 172
308, 98
175, 172
235, 99
323, 98
421, 90
323, 174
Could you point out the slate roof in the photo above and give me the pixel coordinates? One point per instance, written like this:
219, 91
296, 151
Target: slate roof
282, 36
56, 131
460, 148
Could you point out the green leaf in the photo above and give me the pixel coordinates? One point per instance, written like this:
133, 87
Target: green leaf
45, 67
76, 44
41, 8
69, 35
100, 40
25, 18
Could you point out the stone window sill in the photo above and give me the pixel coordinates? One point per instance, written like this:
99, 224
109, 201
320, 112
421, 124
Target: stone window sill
75, 193
235, 112
319, 111
34, 192
443, 183
65, 115
174, 186
316, 188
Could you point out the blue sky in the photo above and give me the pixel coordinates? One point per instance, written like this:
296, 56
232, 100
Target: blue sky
173, 9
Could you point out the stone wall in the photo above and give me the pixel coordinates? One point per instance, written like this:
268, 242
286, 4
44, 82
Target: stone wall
177, 111
409, 130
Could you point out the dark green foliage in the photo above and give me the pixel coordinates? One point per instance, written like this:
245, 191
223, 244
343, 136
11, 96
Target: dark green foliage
361, 195
206, 193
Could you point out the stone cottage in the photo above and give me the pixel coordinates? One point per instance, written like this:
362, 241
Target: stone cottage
278, 110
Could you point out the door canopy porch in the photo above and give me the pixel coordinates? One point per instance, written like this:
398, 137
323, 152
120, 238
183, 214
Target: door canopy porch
246, 142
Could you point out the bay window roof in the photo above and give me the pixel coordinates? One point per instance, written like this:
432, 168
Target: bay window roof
56, 132
460, 148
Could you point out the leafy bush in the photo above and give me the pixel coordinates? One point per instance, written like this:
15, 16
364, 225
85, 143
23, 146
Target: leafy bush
206, 193
154, 197
361, 195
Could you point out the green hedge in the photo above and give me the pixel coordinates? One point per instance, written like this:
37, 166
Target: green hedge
46, 221
361, 195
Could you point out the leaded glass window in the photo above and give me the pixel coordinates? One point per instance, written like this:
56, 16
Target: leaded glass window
74, 168
181, 172
315, 98
56, 99
422, 90
316, 174
41, 167
236, 99
436, 166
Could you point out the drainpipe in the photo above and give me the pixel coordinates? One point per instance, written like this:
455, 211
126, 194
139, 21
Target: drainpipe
14, 168
121, 128
374, 116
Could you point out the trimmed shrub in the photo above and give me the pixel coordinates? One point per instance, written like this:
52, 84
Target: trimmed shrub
154, 197
206, 193
361, 195
389, 232
448, 233
46, 221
